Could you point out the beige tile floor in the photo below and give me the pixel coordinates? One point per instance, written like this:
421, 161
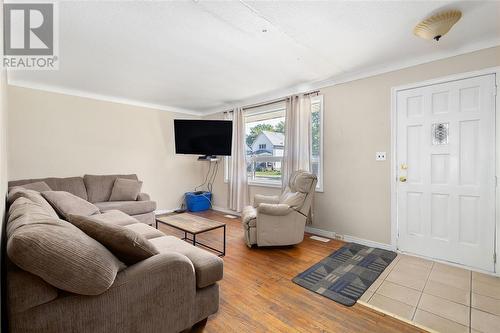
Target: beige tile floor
441, 297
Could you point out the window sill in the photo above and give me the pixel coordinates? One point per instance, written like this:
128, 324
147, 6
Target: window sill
272, 185
264, 184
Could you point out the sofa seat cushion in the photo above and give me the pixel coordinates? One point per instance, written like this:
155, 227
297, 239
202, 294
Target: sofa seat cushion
125, 243
99, 187
128, 207
72, 185
57, 251
208, 267
145, 230
249, 216
115, 217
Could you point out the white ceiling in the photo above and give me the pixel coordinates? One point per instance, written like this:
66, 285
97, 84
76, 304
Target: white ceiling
204, 56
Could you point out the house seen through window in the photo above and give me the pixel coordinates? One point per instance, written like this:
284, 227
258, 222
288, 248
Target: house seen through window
265, 138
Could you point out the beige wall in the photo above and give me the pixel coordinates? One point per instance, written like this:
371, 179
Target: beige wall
357, 115
3, 166
60, 135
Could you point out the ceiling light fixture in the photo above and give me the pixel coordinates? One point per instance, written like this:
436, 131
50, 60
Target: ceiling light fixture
437, 25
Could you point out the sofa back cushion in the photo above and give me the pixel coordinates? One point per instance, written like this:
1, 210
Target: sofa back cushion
99, 187
126, 244
21, 192
57, 251
66, 203
72, 185
125, 190
36, 186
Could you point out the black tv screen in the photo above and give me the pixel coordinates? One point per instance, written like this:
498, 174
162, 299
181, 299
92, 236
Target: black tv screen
203, 137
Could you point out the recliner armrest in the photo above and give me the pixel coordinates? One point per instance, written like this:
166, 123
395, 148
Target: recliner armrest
274, 209
268, 199
143, 197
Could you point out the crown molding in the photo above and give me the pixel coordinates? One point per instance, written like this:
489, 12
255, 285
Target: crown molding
353, 76
99, 97
314, 85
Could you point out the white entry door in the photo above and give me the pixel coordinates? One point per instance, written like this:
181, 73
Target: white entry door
446, 171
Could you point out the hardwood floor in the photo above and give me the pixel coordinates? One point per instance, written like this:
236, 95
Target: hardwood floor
257, 293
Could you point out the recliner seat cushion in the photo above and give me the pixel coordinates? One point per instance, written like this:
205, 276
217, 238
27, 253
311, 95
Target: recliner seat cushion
208, 267
128, 207
99, 187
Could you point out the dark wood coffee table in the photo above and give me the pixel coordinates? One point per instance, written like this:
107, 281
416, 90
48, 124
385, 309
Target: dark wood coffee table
194, 225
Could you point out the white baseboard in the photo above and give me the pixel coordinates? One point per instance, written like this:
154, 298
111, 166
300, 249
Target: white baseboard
217, 208
347, 238
226, 210
321, 232
368, 242
164, 211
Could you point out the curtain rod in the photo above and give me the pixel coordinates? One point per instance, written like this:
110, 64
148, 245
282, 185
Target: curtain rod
251, 106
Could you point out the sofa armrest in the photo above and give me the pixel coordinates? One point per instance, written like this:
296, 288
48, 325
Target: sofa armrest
163, 264
150, 296
269, 199
143, 197
274, 209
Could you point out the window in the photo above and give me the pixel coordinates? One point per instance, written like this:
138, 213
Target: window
265, 137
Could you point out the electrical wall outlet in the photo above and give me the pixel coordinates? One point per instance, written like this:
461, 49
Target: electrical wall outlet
380, 156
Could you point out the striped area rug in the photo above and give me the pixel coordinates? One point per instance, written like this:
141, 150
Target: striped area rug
345, 274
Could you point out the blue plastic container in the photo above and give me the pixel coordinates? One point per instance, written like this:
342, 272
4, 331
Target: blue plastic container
198, 202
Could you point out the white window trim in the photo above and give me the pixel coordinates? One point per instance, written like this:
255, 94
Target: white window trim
319, 99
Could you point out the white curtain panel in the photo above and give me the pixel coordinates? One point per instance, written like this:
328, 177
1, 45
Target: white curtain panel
238, 182
297, 154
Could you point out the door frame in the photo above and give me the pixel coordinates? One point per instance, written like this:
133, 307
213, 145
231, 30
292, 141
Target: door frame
394, 166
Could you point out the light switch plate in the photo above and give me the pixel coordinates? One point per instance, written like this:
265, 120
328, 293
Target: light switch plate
380, 156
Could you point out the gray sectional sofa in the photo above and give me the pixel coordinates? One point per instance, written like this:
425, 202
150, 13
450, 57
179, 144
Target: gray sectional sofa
61, 280
97, 190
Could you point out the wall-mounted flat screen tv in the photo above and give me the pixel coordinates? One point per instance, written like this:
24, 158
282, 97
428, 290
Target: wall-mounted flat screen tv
203, 137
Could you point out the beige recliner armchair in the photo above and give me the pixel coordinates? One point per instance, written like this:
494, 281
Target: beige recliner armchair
280, 220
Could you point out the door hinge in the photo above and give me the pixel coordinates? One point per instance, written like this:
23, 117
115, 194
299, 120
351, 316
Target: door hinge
494, 258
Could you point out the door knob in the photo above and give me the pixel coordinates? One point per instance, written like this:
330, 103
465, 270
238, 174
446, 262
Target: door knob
402, 179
